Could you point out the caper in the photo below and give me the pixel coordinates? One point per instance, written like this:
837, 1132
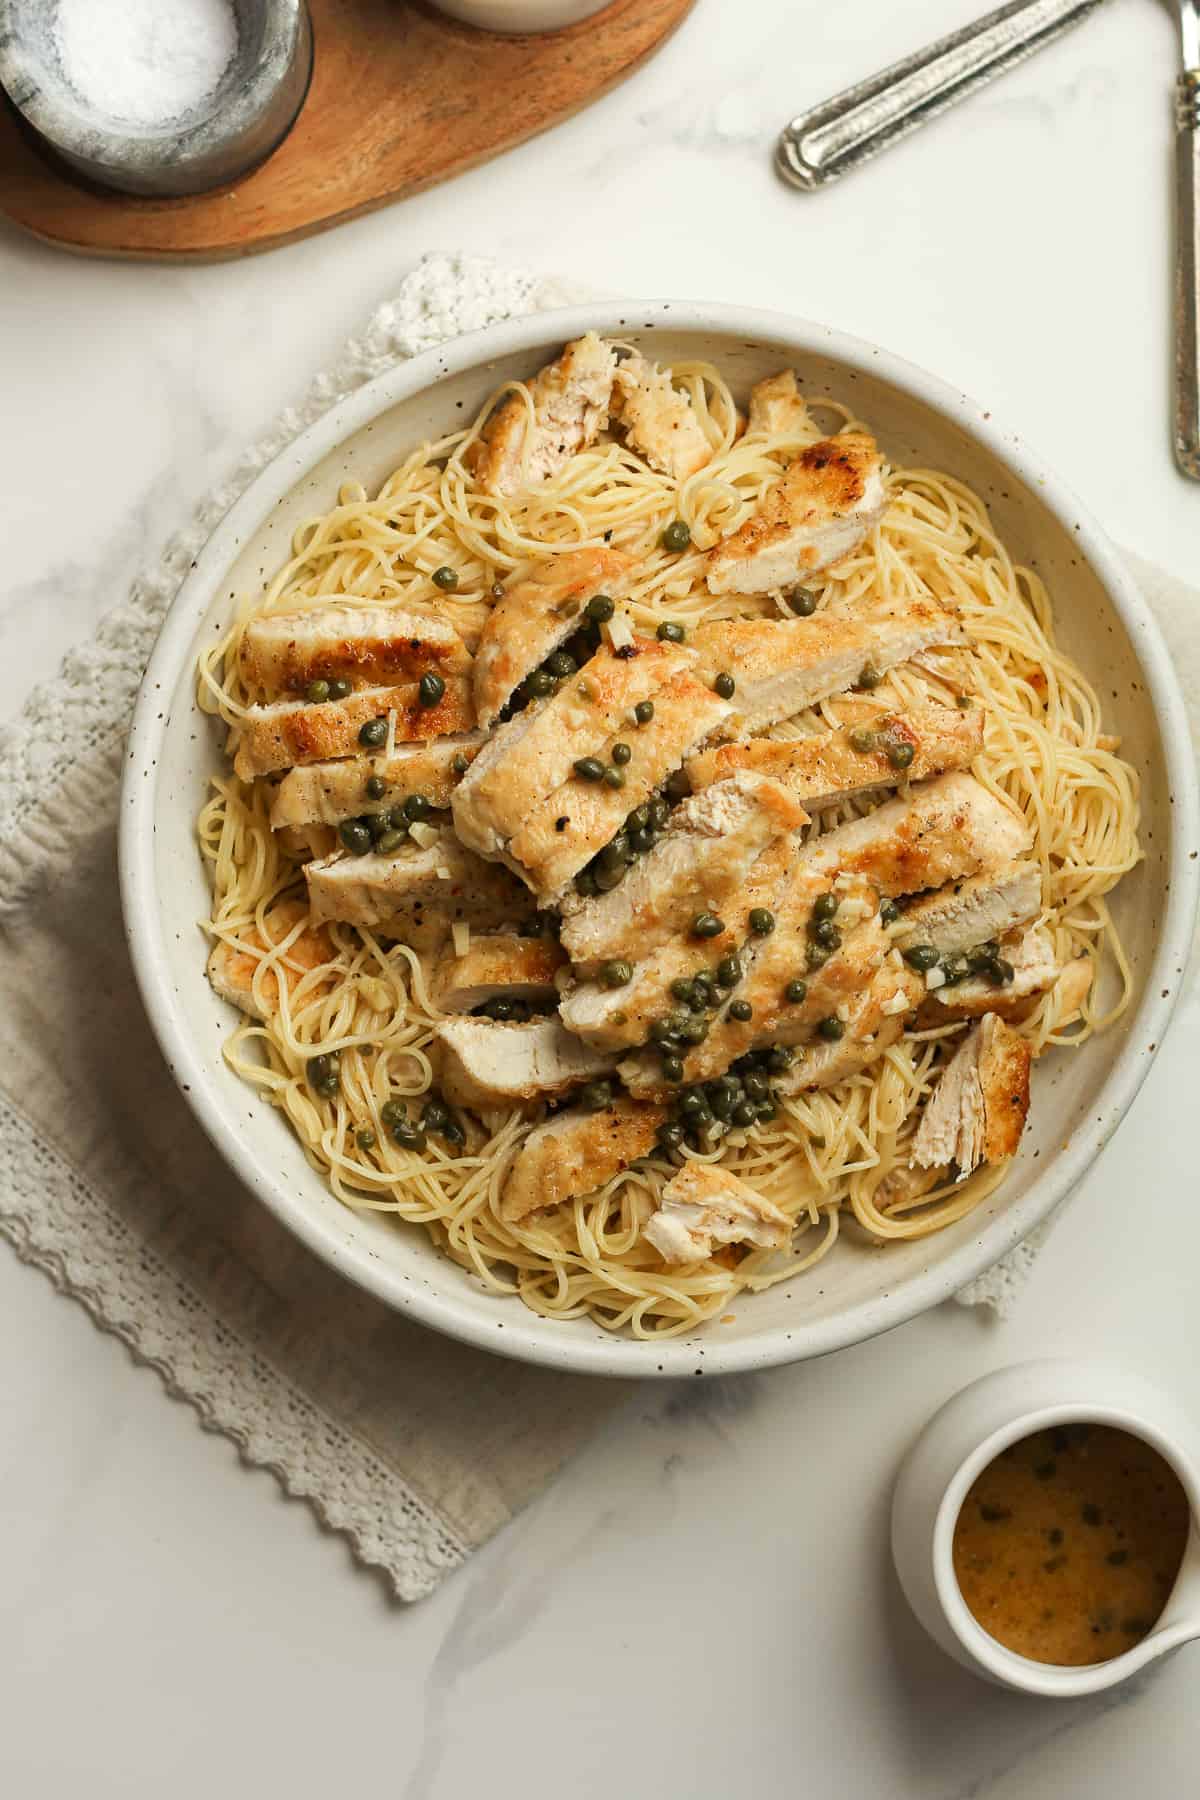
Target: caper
616, 974
392, 1111
729, 971
869, 676
589, 768
693, 1031
355, 836
595, 1096
692, 1103
417, 806
767, 1109
955, 969
671, 1134
761, 922
827, 935
676, 537
621, 753
1001, 972
365, 1138
446, 578
322, 1073
460, 764
600, 608
682, 988
435, 1117
672, 1068
660, 808
409, 1135
824, 907
862, 739
677, 786
755, 1085
671, 633
339, 689
707, 925
796, 991
642, 839
901, 755
831, 1029
802, 602
430, 689
540, 683
378, 824
500, 1009
817, 956
920, 957
725, 685
317, 692
376, 787
585, 883
741, 1010
373, 733
721, 1103
779, 1058
643, 712
453, 1132
561, 664
390, 842
614, 778
745, 1113
889, 912
663, 1029
607, 879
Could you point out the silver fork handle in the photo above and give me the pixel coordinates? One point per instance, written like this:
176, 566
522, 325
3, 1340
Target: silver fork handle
824, 143
1187, 298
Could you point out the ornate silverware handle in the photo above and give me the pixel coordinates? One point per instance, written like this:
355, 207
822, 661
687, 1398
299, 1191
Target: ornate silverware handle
820, 145
1187, 301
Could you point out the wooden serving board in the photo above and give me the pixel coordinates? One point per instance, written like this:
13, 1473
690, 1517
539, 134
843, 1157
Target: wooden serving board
401, 98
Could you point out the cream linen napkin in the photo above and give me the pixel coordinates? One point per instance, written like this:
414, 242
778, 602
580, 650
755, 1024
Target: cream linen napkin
415, 1447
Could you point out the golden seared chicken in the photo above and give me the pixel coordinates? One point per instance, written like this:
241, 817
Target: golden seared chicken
658, 419
824, 506
777, 406
233, 969
282, 653
488, 1065
705, 854
576, 1153
534, 753
872, 748
497, 966
325, 793
967, 913
701, 1207
290, 732
570, 399
368, 890
541, 608
782, 666
977, 1111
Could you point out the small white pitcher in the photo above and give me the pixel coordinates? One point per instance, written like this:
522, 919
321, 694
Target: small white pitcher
963, 1438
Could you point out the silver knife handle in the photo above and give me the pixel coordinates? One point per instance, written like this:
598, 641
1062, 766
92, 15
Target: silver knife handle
1187, 293
824, 143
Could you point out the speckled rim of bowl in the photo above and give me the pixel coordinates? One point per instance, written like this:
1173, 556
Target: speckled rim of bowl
536, 1340
92, 142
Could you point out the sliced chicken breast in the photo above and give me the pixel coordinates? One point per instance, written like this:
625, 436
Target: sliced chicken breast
486, 1065
532, 754
577, 1153
782, 666
623, 1018
823, 507
570, 399
825, 769
876, 1019
1036, 969
369, 890
289, 732
659, 421
540, 610
232, 967
703, 1206
777, 406
977, 1112
280, 653
970, 912
498, 966
704, 856
566, 829
327, 792
942, 830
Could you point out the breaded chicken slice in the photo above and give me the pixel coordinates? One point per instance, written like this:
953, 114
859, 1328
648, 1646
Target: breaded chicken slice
777, 406
659, 421
576, 1153
497, 966
977, 1112
540, 610
487, 1065
823, 507
281, 653
232, 967
288, 733
570, 399
325, 793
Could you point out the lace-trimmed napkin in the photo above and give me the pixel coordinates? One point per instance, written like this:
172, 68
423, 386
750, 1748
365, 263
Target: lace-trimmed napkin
416, 1448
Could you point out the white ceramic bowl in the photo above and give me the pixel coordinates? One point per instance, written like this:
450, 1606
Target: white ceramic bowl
1078, 1098
959, 1442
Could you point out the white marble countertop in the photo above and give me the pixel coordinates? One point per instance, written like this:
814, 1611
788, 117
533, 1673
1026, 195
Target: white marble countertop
702, 1605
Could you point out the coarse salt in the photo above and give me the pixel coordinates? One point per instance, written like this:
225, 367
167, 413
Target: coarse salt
145, 62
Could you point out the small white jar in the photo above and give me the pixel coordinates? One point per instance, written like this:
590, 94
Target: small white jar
517, 16
961, 1440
